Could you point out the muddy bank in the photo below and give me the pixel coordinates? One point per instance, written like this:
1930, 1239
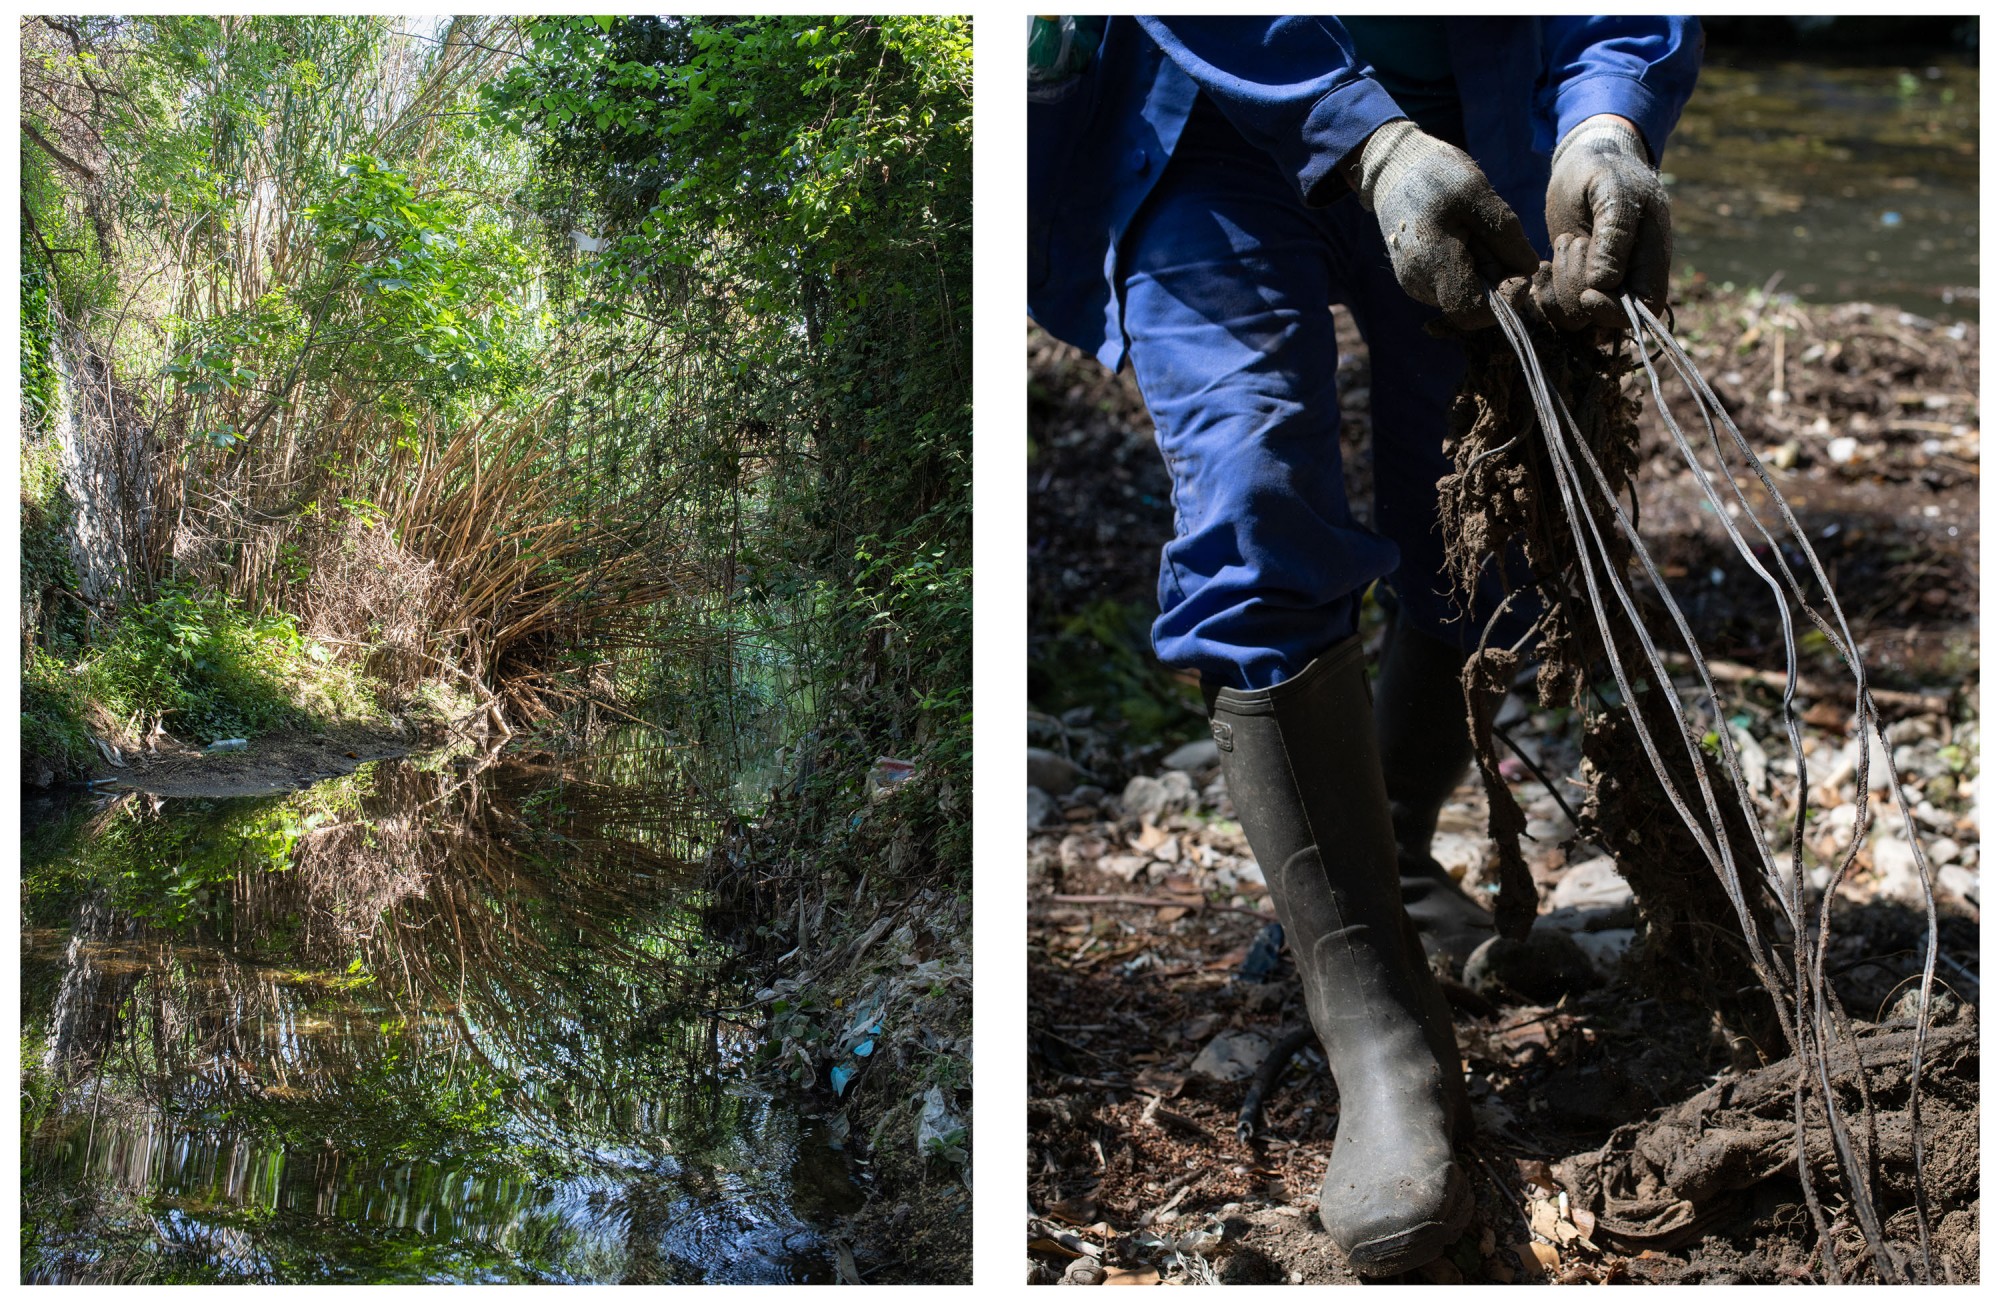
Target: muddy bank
275, 763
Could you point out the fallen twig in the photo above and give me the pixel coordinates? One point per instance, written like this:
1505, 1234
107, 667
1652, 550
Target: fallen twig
1724, 670
1160, 1117
1140, 900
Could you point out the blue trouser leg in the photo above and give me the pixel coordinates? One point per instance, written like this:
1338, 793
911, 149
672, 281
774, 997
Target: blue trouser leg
1229, 278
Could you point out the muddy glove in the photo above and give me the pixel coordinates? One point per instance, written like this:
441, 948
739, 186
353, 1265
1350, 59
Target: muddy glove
1450, 236
1609, 224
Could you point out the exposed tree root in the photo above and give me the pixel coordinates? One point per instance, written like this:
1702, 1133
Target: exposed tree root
1699, 1167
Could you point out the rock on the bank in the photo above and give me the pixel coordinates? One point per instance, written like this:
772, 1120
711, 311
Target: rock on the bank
1050, 771
1194, 756
1155, 797
1042, 809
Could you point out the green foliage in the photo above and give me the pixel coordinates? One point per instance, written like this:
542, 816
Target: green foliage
920, 604
53, 736
206, 669
60, 250
1101, 658
784, 211
437, 290
38, 370
794, 1038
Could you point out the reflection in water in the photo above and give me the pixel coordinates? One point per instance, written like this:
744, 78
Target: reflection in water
421, 1023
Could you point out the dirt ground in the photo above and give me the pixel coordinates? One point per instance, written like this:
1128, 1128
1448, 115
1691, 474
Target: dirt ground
1152, 991
1145, 911
275, 763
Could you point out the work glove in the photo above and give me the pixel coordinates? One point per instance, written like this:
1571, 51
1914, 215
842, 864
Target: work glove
1609, 226
1450, 236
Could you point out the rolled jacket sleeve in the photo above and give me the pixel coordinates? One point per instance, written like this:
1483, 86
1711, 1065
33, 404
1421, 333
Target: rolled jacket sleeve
1293, 86
1641, 68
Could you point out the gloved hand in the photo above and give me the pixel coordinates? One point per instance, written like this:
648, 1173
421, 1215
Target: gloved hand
1450, 236
1609, 225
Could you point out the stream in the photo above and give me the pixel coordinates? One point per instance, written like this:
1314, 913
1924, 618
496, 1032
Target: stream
430, 1022
1845, 182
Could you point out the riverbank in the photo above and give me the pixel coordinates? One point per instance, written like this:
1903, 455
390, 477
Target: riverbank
1154, 993
858, 941
272, 763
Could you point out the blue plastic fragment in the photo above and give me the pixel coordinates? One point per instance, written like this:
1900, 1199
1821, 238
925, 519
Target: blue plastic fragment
864, 1047
842, 1076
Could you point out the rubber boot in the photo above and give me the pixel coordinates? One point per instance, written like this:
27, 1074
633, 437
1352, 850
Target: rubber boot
1426, 751
1307, 784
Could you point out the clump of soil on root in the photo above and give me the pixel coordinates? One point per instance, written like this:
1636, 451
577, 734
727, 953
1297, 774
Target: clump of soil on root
1502, 513
1691, 944
1502, 508
1731, 1154
1725, 1162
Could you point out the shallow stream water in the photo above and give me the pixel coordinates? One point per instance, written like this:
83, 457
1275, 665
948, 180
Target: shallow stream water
1840, 181
433, 1021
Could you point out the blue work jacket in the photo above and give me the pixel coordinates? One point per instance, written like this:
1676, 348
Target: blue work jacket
1295, 89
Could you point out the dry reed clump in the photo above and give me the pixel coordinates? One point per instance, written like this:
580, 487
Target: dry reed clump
370, 593
529, 564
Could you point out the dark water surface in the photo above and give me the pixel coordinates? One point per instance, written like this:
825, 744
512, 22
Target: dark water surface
1857, 183
429, 1022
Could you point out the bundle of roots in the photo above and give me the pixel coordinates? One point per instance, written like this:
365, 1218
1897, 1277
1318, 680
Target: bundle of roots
1545, 446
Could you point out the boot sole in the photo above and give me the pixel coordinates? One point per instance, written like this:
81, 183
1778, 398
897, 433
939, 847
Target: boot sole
1415, 1247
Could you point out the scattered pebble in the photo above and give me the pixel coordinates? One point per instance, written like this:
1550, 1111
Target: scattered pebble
1750, 756
1052, 772
1538, 969
1128, 867
1958, 882
1461, 853
1592, 884
1084, 1270
1231, 1056
1153, 798
1896, 869
1193, 756
1605, 948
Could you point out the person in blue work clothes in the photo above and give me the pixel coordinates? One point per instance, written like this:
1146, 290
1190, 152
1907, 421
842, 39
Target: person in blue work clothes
1200, 190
